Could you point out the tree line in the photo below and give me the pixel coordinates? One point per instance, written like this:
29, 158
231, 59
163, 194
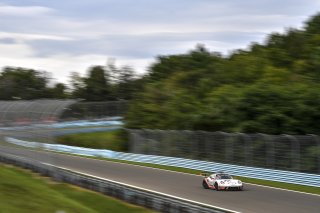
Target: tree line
271, 87
101, 83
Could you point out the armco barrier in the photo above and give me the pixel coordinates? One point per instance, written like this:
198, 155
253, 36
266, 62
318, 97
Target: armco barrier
150, 199
243, 171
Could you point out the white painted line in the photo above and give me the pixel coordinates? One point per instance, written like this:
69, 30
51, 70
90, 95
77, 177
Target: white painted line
289, 190
140, 188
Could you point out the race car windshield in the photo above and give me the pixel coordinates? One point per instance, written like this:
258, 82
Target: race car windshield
225, 177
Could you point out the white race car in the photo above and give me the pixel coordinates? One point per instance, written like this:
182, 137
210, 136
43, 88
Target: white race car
221, 181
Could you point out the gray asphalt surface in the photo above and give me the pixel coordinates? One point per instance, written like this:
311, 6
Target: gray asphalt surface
254, 199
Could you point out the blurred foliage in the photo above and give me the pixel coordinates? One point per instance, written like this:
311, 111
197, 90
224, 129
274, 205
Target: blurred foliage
105, 83
271, 88
102, 83
97, 87
20, 83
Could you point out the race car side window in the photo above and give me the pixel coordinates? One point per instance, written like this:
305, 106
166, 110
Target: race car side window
213, 176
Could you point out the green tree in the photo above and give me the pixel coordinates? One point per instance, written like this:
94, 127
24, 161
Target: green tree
270, 88
77, 85
21, 83
59, 91
312, 26
97, 85
125, 83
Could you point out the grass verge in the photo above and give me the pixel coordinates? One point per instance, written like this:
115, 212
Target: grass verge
24, 192
115, 140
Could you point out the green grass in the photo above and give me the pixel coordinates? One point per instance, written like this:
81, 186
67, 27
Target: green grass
295, 187
113, 140
23, 192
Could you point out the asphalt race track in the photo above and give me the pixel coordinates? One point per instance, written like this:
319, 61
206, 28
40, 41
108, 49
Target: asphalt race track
253, 199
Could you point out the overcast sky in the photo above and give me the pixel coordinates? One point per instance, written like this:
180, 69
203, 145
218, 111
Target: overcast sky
60, 36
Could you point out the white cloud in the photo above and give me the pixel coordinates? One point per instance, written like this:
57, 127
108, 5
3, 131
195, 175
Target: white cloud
15, 51
27, 37
8, 10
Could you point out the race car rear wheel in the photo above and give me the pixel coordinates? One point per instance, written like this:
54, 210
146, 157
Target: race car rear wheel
205, 185
216, 186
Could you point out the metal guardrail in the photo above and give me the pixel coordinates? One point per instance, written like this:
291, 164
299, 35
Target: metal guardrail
243, 171
135, 195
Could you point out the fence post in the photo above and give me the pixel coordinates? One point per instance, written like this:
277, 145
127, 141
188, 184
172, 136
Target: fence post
188, 146
317, 140
152, 142
138, 141
270, 152
248, 148
157, 141
146, 141
210, 146
201, 146
229, 143
133, 146
130, 133
172, 142
295, 152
